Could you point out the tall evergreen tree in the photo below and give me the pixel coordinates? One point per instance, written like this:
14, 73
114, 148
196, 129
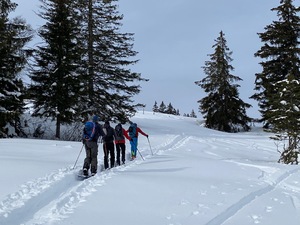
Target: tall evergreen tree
56, 83
280, 53
277, 86
284, 116
14, 34
110, 84
222, 108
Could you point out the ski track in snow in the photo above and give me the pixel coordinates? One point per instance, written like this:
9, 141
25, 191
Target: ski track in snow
248, 199
47, 199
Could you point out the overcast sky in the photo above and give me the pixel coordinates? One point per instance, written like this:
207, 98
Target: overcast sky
174, 38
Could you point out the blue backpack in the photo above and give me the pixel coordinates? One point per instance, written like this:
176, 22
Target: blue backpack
89, 130
132, 130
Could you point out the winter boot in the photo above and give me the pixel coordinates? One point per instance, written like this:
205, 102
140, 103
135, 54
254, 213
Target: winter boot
93, 170
85, 172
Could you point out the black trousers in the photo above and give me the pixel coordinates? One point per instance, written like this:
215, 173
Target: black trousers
109, 154
120, 151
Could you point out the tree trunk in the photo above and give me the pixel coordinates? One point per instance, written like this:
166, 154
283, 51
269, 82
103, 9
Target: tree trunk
90, 50
58, 122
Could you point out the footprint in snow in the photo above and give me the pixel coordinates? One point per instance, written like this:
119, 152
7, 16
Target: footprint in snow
256, 219
184, 202
171, 216
203, 193
195, 213
269, 209
220, 204
201, 206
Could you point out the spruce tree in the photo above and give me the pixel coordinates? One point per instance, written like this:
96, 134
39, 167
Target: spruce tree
162, 107
109, 84
14, 34
280, 54
155, 107
284, 116
277, 86
56, 80
222, 108
193, 114
170, 109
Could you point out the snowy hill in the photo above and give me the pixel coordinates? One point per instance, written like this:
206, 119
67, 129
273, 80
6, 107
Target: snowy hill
196, 176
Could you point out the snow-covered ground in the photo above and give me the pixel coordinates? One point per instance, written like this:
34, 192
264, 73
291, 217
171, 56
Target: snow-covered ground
196, 176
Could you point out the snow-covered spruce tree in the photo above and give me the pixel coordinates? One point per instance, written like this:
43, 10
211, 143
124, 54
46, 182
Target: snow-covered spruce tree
277, 85
280, 54
222, 108
162, 107
14, 35
155, 107
109, 83
193, 114
55, 76
284, 114
170, 109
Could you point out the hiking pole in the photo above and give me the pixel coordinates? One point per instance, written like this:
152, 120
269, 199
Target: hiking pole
78, 157
150, 146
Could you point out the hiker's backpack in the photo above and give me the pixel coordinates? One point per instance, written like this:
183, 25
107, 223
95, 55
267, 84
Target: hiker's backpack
89, 129
132, 130
119, 131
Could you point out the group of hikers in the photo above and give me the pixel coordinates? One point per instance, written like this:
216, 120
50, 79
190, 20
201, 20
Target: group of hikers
111, 137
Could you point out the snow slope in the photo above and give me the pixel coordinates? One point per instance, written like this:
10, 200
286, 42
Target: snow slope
196, 176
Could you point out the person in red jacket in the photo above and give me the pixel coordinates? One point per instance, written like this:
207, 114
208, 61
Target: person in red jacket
133, 132
120, 134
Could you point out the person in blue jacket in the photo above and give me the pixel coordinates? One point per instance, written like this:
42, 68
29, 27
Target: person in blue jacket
133, 132
91, 133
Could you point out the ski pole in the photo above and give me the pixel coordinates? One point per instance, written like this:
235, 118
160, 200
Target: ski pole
78, 157
137, 149
141, 155
150, 146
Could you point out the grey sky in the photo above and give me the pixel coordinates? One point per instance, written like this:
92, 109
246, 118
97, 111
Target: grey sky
174, 37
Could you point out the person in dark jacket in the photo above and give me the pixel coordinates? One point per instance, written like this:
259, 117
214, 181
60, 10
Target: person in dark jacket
120, 134
91, 133
108, 145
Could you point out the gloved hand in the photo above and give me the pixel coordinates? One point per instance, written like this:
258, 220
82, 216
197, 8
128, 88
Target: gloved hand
83, 141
